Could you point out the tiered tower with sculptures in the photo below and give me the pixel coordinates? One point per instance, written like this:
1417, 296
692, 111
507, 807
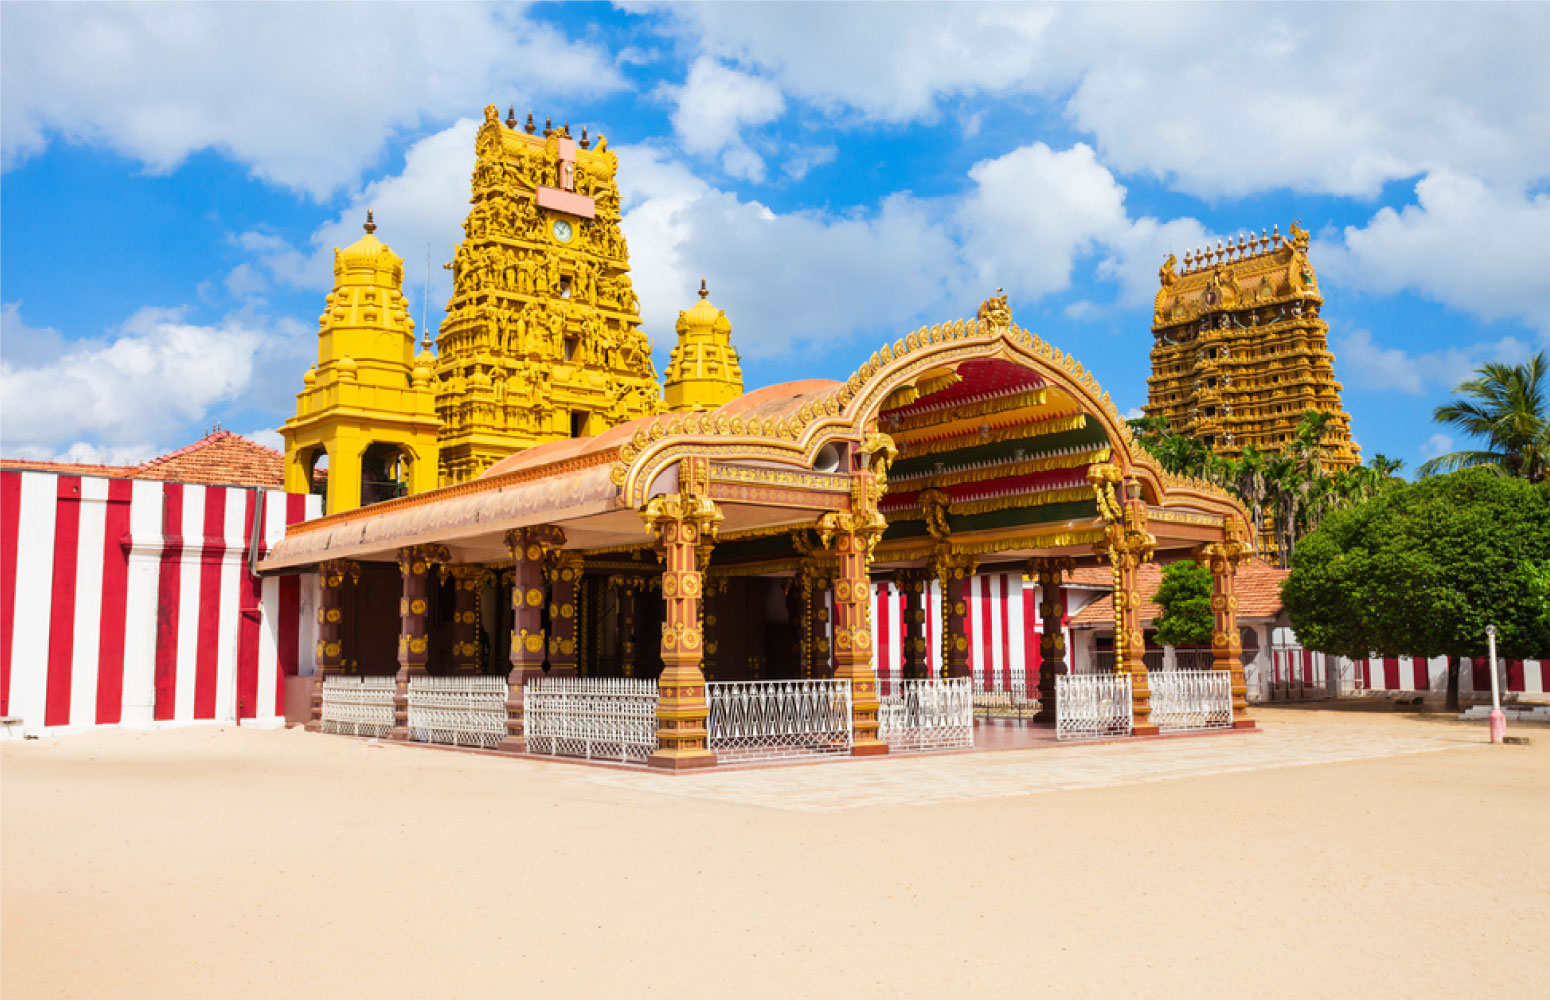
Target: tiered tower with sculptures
541, 339
704, 371
1240, 353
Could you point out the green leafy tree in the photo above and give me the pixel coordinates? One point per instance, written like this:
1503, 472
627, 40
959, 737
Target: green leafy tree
1508, 406
1185, 598
1423, 568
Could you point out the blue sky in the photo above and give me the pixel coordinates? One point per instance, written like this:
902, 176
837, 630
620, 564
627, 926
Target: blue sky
175, 177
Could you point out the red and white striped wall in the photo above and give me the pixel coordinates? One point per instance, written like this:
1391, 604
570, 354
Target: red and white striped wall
1407, 673
130, 602
1003, 631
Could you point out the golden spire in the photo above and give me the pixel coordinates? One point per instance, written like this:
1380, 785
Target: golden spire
704, 371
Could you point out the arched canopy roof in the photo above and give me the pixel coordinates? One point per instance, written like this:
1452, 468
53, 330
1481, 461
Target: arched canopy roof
780, 456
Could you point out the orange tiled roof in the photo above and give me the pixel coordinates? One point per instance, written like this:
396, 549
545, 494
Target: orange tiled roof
1259, 593
220, 457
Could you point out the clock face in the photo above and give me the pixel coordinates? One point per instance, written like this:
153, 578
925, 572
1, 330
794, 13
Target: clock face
562, 230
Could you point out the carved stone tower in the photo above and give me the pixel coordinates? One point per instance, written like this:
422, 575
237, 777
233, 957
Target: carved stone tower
703, 372
1239, 351
367, 405
542, 337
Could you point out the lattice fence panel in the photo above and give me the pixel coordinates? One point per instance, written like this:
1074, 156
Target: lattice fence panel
1092, 705
358, 706
936, 714
1013, 701
599, 718
768, 720
462, 711
1191, 699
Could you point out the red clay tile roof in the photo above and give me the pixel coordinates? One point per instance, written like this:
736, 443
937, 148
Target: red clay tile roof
220, 458
1259, 593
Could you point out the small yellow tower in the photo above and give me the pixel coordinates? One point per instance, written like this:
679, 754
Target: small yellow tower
369, 405
703, 372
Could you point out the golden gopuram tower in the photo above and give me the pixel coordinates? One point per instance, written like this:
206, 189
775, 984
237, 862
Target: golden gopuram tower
1239, 351
541, 339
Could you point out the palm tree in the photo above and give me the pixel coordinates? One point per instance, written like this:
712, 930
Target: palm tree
1507, 406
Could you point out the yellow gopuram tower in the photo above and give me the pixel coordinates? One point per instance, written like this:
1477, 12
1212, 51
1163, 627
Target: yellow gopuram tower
368, 404
704, 371
541, 339
1239, 351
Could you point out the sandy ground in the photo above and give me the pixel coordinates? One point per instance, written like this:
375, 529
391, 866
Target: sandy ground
241, 863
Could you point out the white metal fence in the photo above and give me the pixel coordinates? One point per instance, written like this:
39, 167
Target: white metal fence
935, 714
766, 720
358, 706
1092, 705
599, 718
463, 711
1000, 700
1191, 699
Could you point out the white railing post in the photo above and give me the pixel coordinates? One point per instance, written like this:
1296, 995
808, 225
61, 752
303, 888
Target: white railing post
767, 720
1093, 705
930, 714
1191, 699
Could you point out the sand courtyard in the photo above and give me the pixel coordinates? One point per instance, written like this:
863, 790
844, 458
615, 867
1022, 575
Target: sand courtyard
1333, 854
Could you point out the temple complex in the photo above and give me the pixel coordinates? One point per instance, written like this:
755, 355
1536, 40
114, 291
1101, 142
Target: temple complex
684, 575
1239, 351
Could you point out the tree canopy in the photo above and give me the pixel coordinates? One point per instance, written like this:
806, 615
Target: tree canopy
1184, 595
1424, 567
1508, 408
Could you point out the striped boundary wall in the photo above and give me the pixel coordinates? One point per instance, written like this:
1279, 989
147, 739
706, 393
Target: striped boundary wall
126, 601
1003, 627
1407, 673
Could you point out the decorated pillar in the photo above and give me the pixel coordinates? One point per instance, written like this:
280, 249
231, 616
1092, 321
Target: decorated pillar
414, 564
467, 580
332, 578
529, 548
1223, 558
1050, 574
629, 602
916, 589
851, 536
683, 523
955, 573
1126, 544
564, 576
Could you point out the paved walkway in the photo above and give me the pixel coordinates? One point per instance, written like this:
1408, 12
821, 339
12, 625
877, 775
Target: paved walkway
903, 780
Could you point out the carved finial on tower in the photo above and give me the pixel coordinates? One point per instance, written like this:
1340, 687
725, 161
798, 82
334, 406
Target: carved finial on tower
371, 226
530, 128
565, 130
548, 127
585, 142
511, 116
995, 311
704, 292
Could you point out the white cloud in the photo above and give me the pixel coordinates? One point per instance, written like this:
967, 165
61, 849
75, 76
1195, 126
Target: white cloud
1363, 363
268, 437
1437, 444
1465, 243
418, 210
1221, 100
150, 376
306, 95
714, 105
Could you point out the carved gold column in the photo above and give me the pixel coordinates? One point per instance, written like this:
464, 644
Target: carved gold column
467, 579
955, 573
628, 601
564, 575
1049, 573
1224, 558
682, 523
333, 575
1126, 544
529, 547
851, 535
414, 564
916, 658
